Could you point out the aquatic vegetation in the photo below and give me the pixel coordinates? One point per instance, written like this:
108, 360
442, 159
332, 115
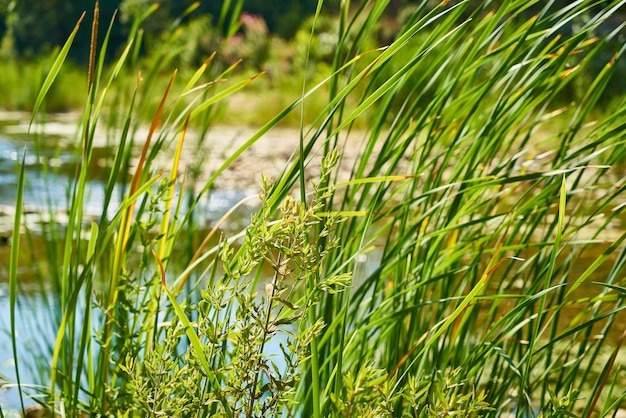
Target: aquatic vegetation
443, 270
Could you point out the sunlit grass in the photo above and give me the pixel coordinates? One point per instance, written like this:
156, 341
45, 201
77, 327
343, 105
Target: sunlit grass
439, 277
21, 80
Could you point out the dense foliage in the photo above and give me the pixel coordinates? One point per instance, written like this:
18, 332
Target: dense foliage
35, 27
30, 30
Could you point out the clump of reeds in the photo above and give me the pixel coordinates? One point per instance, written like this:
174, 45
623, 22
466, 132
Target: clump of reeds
438, 279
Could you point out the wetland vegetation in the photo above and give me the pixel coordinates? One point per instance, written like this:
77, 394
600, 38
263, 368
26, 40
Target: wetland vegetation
442, 233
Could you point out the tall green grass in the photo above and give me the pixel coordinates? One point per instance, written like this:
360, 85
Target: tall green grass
441, 271
21, 81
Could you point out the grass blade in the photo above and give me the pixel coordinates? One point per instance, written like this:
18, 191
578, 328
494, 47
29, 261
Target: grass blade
15, 253
54, 71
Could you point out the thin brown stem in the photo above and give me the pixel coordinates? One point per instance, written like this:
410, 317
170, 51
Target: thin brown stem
270, 306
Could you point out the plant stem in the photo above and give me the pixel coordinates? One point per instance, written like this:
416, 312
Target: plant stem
253, 389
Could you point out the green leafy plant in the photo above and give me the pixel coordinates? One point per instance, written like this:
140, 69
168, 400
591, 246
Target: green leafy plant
235, 323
